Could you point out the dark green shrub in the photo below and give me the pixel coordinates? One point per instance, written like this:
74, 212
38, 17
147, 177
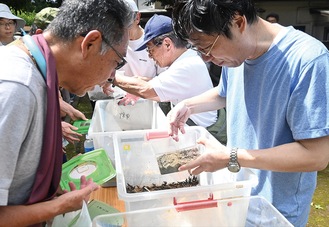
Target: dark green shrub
28, 17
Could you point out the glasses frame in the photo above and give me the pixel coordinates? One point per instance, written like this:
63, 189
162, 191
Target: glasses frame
123, 61
119, 64
210, 49
212, 46
8, 24
149, 50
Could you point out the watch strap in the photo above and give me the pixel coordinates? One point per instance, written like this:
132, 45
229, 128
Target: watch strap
234, 155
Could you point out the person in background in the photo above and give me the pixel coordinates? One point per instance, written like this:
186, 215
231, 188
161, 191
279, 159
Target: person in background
186, 75
271, 81
9, 25
80, 50
42, 19
139, 64
273, 17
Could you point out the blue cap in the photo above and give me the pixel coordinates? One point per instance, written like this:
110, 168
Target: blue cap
157, 25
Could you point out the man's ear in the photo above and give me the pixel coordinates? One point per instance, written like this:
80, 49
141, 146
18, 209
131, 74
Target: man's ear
138, 17
92, 42
167, 42
38, 31
240, 22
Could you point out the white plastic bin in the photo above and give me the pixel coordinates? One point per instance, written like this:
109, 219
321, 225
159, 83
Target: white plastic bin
136, 164
109, 117
245, 211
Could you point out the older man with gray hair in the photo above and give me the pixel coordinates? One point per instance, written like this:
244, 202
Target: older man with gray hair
82, 47
185, 77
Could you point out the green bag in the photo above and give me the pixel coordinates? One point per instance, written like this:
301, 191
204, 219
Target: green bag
218, 129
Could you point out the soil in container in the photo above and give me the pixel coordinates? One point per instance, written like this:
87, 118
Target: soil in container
171, 161
189, 182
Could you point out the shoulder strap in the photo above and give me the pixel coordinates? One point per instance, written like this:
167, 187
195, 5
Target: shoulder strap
36, 53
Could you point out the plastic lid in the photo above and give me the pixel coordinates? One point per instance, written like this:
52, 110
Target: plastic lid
94, 164
82, 125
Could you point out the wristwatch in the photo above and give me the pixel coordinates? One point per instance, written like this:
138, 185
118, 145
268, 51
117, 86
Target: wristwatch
233, 164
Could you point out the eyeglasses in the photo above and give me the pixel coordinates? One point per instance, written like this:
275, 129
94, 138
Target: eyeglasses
9, 24
150, 49
119, 64
203, 52
122, 62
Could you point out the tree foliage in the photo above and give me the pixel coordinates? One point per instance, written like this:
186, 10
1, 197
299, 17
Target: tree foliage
19, 6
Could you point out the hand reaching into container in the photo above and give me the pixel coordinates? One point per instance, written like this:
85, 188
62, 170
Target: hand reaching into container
177, 118
128, 99
216, 157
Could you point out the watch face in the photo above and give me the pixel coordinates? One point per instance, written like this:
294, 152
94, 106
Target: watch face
234, 167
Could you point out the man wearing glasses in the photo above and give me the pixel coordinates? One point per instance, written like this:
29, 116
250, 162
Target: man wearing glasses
186, 75
139, 63
81, 47
275, 88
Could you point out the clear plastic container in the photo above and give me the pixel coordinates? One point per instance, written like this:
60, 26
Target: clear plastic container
109, 118
136, 165
244, 211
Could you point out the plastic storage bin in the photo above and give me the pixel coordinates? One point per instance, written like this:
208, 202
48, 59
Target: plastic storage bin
245, 211
109, 117
136, 165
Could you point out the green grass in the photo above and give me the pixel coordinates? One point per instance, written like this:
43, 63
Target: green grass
319, 215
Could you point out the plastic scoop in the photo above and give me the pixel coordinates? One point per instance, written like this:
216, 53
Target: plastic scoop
171, 161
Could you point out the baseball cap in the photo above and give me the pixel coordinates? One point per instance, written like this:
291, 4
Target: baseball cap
157, 25
132, 5
43, 18
6, 13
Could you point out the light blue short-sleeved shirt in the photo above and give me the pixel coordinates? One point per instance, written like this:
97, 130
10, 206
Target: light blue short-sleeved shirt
278, 98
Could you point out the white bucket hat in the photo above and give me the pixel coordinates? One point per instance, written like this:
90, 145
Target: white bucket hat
6, 13
132, 5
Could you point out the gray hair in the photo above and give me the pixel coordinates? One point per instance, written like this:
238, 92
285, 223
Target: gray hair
177, 41
77, 17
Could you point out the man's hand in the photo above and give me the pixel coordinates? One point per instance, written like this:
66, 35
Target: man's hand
73, 200
216, 157
177, 118
68, 132
71, 111
128, 99
108, 87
